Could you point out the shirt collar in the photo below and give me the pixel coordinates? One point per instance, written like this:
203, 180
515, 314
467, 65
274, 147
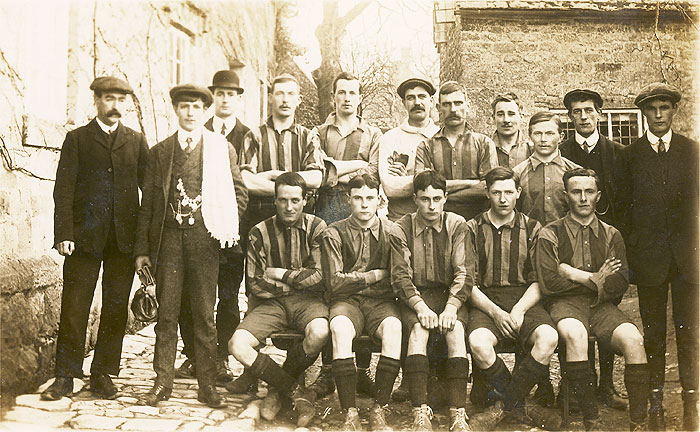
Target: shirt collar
496, 138
107, 129
574, 226
420, 225
271, 125
427, 131
535, 161
654, 140
587, 144
356, 229
332, 118
182, 136
299, 224
230, 123
513, 223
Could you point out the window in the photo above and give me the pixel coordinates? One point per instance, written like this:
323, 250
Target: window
621, 125
180, 43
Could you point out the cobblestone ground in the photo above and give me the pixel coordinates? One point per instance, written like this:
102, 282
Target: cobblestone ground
184, 413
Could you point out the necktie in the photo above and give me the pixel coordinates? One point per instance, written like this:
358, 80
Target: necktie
188, 149
223, 129
662, 148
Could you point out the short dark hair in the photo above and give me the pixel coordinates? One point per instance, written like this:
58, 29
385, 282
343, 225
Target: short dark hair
283, 78
450, 87
506, 97
291, 179
580, 172
347, 76
543, 116
189, 97
501, 173
429, 178
581, 97
361, 180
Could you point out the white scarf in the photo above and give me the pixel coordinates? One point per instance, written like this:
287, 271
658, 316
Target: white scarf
219, 207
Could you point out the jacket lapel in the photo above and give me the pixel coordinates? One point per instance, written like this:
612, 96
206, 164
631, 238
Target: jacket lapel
608, 159
98, 134
121, 138
165, 159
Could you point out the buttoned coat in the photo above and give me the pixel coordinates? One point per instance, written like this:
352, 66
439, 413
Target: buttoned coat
658, 208
97, 183
156, 192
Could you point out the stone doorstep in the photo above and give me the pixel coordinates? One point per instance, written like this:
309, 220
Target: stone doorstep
34, 401
22, 414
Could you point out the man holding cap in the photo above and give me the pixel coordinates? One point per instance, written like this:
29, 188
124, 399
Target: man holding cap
227, 97
193, 197
592, 150
657, 195
96, 196
397, 147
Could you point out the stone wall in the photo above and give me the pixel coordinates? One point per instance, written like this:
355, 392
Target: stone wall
542, 52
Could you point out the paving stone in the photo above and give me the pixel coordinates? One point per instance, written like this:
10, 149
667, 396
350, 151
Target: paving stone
127, 399
34, 401
118, 413
110, 404
23, 414
96, 422
185, 411
238, 424
218, 415
151, 425
148, 331
252, 411
192, 426
91, 411
146, 410
131, 345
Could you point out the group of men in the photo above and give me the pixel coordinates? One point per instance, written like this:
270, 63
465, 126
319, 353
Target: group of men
511, 239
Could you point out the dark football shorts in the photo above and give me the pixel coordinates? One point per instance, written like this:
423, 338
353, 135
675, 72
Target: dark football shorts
365, 313
436, 299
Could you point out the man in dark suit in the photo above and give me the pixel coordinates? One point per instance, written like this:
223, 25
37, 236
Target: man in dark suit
193, 196
97, 199
592, 150
657, 195
227, 96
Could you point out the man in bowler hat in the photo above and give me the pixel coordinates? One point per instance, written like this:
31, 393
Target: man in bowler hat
193, 197
657, 195
96, 203
227, 93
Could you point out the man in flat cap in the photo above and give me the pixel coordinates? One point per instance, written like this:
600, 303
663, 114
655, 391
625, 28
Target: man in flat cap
227, 93
96, 196
657, 195
192, 201
592, 150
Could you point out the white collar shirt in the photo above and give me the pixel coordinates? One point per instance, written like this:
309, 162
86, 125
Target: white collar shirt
230, 123
107, 129
587, 144
183, 135
654, 140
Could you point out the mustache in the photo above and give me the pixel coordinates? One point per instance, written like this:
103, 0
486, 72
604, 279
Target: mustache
417, 108
113, 112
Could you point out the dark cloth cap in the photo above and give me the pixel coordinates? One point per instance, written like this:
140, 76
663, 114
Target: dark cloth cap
657, 90
194, 90
110, 83
226, 79
589, 94
412, 82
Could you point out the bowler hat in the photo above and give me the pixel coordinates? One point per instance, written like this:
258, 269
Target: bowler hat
657, 90
588, 94
226, 79
192, 89
412, 82
110, 83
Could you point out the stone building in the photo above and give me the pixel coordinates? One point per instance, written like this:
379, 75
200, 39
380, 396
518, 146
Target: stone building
540, 49
49, 54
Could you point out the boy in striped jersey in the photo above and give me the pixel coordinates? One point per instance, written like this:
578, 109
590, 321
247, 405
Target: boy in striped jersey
284, 273
500, 241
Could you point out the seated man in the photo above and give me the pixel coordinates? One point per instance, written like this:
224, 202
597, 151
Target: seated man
355, 262
501, 241
428, 275
284, 273
581, 266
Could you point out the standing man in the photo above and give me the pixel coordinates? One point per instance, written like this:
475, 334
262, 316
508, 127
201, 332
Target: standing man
591, 150
429, 276
512, 146
397, 147
542, 197
96, 198
355, 263
192, 201
657, 195
284, 272
351, 147
581, 266
227, 97
462, 156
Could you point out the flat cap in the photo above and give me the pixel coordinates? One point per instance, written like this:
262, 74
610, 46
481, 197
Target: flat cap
657, 90
110, 83
226, 79
588, 94
193, 90
412, 82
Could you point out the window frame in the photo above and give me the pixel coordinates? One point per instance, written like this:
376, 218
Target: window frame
607, 118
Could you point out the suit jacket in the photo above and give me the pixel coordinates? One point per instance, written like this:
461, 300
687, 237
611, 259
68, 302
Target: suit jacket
608, 150
157, 190
657, 213
235, 137
97, 185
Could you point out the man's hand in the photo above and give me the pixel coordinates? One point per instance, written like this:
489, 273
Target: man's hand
380, 274
141, 261
272, 174
65, 247
275, 273
447, 319
397, 169
427, 318
518, 317
506, 324
610, 266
